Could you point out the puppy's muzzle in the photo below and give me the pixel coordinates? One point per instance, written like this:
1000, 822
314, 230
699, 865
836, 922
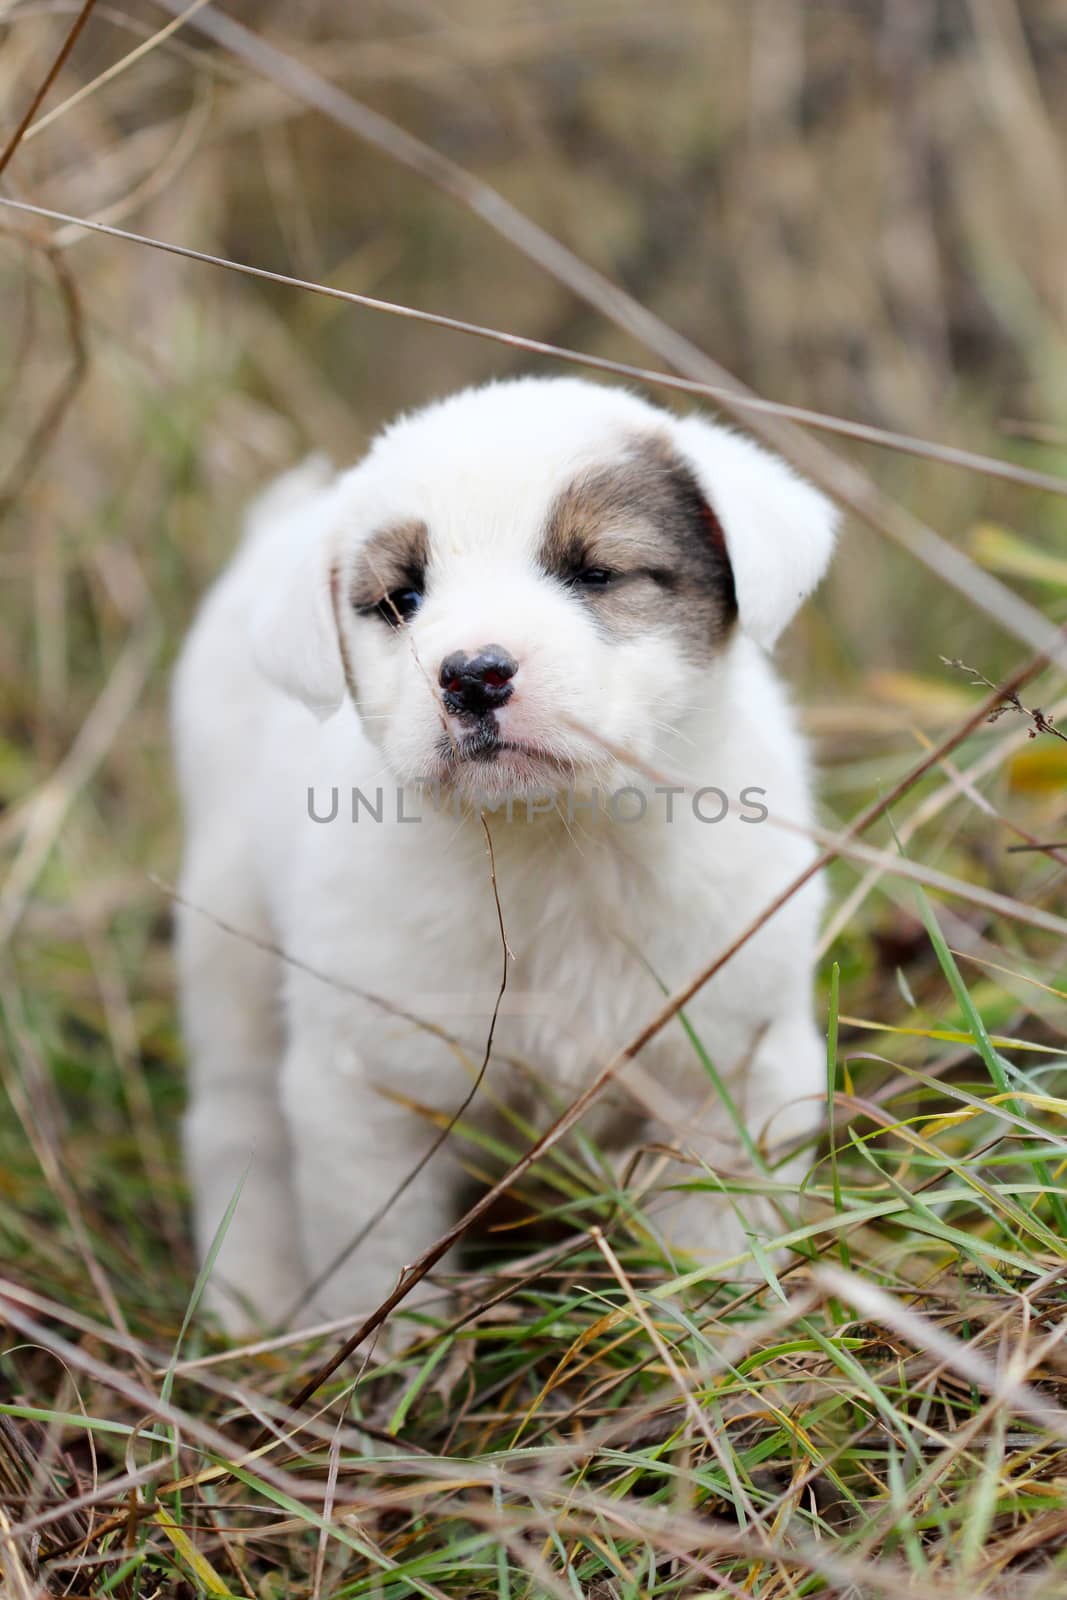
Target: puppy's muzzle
475, 685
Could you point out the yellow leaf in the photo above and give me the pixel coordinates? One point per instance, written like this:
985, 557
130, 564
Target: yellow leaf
1040, 767
953, 1036
1042, 1102
193, 1558
1000, 551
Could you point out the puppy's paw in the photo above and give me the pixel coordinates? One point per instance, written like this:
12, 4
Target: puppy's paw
261, 1307
705, 1226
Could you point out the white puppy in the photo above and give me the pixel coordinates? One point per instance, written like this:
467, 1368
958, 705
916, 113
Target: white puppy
541, 588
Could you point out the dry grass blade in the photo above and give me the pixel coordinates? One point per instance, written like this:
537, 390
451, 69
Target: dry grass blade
1004, 1387
153, 42
47, 426
46, 83
946, 455
44, 815
693, 1409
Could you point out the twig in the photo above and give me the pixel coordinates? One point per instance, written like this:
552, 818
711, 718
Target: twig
113, 71
930, 808
881, 860
1042, 721
49, 79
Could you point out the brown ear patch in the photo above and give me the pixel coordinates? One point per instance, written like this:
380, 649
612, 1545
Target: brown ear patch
644, 519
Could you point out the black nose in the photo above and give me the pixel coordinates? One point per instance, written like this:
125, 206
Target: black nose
475, 685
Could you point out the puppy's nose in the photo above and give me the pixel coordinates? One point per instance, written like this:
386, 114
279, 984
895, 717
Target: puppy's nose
475, 685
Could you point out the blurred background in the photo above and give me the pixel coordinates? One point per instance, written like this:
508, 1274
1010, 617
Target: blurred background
857, 207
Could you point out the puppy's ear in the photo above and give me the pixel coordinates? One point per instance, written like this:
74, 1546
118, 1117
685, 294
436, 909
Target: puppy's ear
779, 531
293, 625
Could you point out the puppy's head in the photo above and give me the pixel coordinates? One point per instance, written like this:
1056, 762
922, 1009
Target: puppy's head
524, 574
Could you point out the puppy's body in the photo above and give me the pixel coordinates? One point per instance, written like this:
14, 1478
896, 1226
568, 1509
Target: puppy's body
595, 583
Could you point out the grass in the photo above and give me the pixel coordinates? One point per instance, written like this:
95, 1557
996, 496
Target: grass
882, 1411
861, 218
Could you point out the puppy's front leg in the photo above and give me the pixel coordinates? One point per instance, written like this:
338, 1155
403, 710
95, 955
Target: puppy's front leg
778, 1092
352, 1148
234, 1134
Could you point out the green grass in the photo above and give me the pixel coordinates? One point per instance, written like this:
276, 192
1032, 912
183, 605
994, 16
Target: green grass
873, 1403
881, 1410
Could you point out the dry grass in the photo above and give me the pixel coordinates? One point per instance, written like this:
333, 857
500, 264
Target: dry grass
858, 209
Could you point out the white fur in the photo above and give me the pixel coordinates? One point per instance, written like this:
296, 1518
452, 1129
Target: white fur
309, 1086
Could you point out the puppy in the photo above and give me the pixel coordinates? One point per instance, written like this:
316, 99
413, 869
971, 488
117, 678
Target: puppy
546, 604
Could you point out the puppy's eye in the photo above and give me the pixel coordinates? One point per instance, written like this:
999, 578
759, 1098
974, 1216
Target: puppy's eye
592, 578
399, 606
